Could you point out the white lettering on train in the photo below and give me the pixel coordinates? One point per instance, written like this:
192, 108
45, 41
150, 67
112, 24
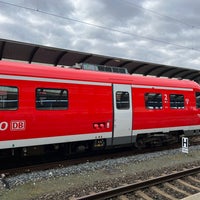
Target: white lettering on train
15, 125
3, 126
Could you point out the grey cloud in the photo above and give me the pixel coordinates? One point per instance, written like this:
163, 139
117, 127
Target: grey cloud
150, 36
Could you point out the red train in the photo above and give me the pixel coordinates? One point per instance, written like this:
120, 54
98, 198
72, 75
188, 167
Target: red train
44, 108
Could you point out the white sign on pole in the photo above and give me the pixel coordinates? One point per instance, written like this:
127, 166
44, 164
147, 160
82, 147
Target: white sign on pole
185, 145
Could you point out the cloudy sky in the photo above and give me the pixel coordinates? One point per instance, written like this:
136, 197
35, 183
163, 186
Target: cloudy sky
158, 31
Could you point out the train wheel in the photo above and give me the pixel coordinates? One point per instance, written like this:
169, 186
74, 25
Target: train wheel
140, 144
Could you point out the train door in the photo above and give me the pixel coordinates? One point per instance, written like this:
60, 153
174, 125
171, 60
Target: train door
122, 128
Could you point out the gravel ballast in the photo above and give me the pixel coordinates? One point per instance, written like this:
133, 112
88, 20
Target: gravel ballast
69, 182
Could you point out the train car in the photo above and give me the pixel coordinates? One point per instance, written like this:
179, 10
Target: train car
46, 108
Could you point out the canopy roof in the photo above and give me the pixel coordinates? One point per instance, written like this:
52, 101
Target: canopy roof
54, 56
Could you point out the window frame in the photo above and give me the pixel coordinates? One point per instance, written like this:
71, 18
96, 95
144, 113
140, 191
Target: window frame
177, 102
152, 103
121, 102
49, 100
196, 100
7, 93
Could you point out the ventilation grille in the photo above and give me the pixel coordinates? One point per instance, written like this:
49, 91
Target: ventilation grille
102, 68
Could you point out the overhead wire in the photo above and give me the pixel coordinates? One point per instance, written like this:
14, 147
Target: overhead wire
98, 26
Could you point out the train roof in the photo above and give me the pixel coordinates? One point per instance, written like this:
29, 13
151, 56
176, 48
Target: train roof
41, 71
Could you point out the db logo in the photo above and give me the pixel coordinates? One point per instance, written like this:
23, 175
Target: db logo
18, 125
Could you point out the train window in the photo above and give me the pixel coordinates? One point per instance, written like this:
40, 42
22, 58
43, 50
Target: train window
8, 98
177, 101
153, 101
51, 99
122, 100
198, 99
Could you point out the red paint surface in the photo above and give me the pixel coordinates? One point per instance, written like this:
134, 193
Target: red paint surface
89, 104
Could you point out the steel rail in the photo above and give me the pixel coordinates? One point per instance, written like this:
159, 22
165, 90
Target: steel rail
141, 185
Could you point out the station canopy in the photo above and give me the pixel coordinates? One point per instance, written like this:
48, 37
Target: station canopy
33, 53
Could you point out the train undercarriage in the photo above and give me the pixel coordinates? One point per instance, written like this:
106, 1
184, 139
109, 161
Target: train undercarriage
147, 140
157, 139
63, 149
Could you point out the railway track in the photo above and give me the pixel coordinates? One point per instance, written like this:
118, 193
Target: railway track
30, 165
174, 186
79, 180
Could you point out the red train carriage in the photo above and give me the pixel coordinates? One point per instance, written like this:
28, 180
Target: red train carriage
80, 109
